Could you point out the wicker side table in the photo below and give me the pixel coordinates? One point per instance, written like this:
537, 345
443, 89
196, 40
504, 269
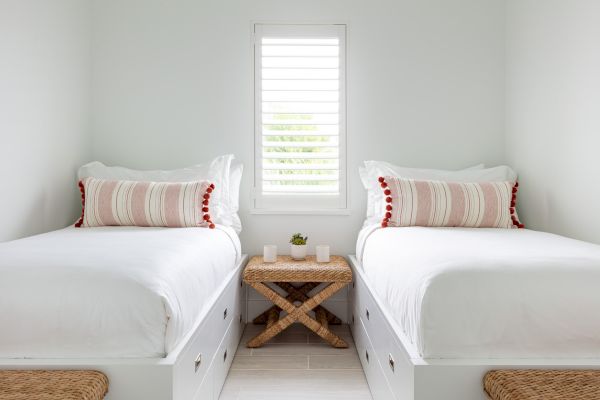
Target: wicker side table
52, 385
536, 384
282, 273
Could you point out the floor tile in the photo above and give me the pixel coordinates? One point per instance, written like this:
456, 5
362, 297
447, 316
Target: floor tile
269, 362
334, 362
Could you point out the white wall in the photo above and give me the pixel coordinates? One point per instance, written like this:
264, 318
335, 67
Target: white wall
172, 85
553, 113
44, 112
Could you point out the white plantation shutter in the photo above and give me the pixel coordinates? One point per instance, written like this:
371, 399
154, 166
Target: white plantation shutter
300, 117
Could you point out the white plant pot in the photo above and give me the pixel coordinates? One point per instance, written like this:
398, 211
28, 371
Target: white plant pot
298, 251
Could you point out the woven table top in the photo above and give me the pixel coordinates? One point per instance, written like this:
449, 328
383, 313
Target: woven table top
52, 385
285, 269
542, 384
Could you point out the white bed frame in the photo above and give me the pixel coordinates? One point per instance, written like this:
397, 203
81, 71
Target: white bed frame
196, 369
395, 370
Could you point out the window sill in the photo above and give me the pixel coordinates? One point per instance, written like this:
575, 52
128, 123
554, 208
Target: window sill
266, 211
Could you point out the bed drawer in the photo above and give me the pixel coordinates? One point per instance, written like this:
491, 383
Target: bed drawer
351, 301
195, 361
207, 387
393, 359
213, 381
378, 384
398, 368
373, 320
224, 356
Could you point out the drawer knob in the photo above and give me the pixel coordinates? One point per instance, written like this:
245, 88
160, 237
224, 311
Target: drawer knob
225, 356
353, 319
367, 313
225, 314
391, 362
197, 362
367, 355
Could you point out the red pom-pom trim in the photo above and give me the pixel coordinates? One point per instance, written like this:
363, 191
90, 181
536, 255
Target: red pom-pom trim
513, 210
388, 199
79, 222
205, 209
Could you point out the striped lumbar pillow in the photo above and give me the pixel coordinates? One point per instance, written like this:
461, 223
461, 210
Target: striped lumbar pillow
130, 203
412, 202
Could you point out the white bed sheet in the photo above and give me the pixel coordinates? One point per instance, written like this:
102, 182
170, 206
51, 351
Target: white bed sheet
109, 292
487, 293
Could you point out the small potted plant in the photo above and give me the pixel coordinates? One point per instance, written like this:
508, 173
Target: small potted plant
298, 246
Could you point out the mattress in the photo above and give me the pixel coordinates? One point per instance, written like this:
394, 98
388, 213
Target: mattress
109, 292
486, 293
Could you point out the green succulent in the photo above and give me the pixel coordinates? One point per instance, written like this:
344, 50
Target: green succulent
298, 240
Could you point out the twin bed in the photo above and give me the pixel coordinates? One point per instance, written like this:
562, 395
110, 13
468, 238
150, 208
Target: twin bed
449, 285
435, 308
160, 311
158, 308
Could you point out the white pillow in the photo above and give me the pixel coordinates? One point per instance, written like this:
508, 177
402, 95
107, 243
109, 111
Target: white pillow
217, 171
374, 169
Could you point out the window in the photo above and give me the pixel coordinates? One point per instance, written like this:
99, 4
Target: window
300, 113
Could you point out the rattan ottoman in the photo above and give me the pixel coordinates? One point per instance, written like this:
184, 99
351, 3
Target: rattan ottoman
310, 274
542, 384
52, 385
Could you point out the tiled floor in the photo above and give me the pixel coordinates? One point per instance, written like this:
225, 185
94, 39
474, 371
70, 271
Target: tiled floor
297, 364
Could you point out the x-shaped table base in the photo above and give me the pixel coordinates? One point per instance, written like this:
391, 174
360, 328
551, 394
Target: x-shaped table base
295, 294
320, 325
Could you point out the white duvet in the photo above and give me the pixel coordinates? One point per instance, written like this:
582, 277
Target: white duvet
487, 293
110, 291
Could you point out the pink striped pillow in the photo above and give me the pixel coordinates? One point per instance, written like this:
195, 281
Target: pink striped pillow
130, 203
435, 203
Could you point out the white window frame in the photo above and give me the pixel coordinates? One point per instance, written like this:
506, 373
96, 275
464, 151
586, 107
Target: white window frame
299, 203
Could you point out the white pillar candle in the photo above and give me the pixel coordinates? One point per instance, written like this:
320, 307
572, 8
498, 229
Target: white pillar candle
270, 253
322, 253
